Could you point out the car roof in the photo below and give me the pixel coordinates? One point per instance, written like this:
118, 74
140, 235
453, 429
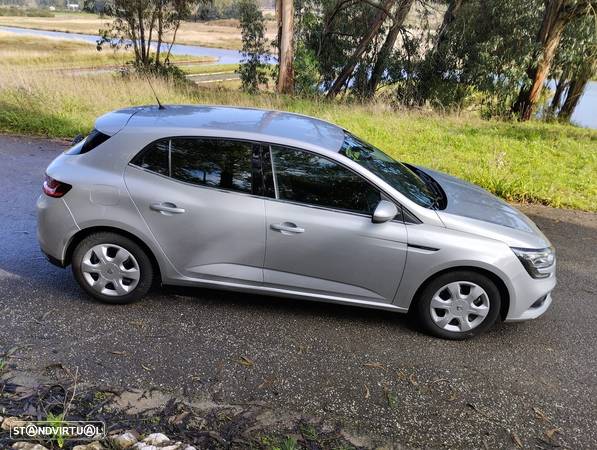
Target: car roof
270, 125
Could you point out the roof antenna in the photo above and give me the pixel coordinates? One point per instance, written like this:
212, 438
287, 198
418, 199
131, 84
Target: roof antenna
160, 106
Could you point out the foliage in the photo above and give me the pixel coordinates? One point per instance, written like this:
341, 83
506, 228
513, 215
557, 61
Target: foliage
220, 9
306, 71
140, 24
253, 67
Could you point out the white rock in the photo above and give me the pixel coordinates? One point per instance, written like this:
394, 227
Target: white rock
11, 422
156, 439
125, 440
91, 446
190, 447
28, 446
144, 446
175, 446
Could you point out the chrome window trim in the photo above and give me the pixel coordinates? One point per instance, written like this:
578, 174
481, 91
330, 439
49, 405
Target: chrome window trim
401, 208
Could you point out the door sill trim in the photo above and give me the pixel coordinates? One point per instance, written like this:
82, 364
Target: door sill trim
289, 293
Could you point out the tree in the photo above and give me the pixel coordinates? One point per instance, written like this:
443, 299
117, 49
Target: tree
142, 25
285, 21
387, 48
252, 69
557, 14
574, 65
365, 41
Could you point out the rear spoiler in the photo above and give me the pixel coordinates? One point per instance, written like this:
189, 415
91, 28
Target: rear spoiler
112, 122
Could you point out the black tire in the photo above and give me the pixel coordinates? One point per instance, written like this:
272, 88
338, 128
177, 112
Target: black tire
145, 267
422, 307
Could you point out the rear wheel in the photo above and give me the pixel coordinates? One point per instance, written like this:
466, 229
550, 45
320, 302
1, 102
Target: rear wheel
458, 305
112, 268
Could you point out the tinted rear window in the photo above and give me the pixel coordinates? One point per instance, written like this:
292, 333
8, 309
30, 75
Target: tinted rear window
218, 163
94, 139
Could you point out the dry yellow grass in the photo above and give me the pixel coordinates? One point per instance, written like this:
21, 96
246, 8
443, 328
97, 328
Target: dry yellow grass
215, 33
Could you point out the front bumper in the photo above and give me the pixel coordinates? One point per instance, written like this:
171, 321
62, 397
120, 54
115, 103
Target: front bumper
537, 309
531, 297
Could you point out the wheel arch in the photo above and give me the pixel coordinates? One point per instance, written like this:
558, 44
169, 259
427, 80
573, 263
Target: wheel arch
83, 233
500, 284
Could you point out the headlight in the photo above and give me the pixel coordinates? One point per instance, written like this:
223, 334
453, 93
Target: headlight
536, 261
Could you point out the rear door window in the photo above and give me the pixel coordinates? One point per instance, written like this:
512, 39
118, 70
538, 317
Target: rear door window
213, 162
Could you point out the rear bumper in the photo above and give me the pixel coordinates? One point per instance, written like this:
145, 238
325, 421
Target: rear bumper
55, 227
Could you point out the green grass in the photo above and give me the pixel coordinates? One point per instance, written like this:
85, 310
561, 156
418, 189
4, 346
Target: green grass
209, 68
546, 163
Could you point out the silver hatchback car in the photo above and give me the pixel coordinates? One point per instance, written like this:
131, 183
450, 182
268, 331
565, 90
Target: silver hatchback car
278, 203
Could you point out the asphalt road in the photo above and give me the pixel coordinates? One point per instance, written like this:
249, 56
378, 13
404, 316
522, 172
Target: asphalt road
369, 370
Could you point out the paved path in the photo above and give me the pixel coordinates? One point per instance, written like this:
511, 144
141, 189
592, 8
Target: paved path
519, 379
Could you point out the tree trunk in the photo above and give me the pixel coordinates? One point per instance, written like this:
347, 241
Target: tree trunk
577, 87
388, 46
348, 69
575, 92
555, 18
556, 101
286, 73
449, 17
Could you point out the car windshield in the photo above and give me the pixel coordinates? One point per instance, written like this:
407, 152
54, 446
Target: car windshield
391, 171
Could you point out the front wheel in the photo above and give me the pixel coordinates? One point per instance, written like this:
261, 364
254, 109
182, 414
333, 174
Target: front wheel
458, 305
112, 268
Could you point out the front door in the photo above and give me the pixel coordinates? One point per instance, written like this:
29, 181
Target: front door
320, 237
197, 196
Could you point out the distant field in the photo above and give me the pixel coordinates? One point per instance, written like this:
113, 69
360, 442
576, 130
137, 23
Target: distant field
215, 33
46, 53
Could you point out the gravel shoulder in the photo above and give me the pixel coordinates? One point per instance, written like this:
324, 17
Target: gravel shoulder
368, 370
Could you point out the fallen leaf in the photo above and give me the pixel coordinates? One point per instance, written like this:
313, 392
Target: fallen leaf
301, 349
540, 414
413, 379
117, 352
177, 420
391, 398
246, 361
149, 369
453, 395
374, 365
551, 433
516, 440
366, 391
268, 381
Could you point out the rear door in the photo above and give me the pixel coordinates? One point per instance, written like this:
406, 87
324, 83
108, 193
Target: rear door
320, 237
202, 203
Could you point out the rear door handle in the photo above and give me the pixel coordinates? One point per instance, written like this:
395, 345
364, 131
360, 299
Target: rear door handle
287, 227
167, 208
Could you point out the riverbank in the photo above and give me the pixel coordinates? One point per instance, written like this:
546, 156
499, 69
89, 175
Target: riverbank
223, 33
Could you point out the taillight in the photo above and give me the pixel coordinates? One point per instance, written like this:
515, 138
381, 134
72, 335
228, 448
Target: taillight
55, 188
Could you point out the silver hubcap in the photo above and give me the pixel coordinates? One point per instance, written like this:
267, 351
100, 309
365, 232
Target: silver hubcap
459, 306
110, 269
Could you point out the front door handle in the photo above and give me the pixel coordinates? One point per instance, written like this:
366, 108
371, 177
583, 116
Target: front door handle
167, 208
287, 227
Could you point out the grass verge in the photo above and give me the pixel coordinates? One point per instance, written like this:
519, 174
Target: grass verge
529, 162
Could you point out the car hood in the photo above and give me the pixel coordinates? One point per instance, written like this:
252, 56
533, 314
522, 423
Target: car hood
471, 208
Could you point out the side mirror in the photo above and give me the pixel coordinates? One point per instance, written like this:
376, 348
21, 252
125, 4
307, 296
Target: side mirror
384, 211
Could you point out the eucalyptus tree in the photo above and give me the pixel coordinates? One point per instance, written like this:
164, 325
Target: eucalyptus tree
556, 16
143, 25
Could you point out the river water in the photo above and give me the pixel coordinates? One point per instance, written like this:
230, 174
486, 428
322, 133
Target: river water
585, 114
